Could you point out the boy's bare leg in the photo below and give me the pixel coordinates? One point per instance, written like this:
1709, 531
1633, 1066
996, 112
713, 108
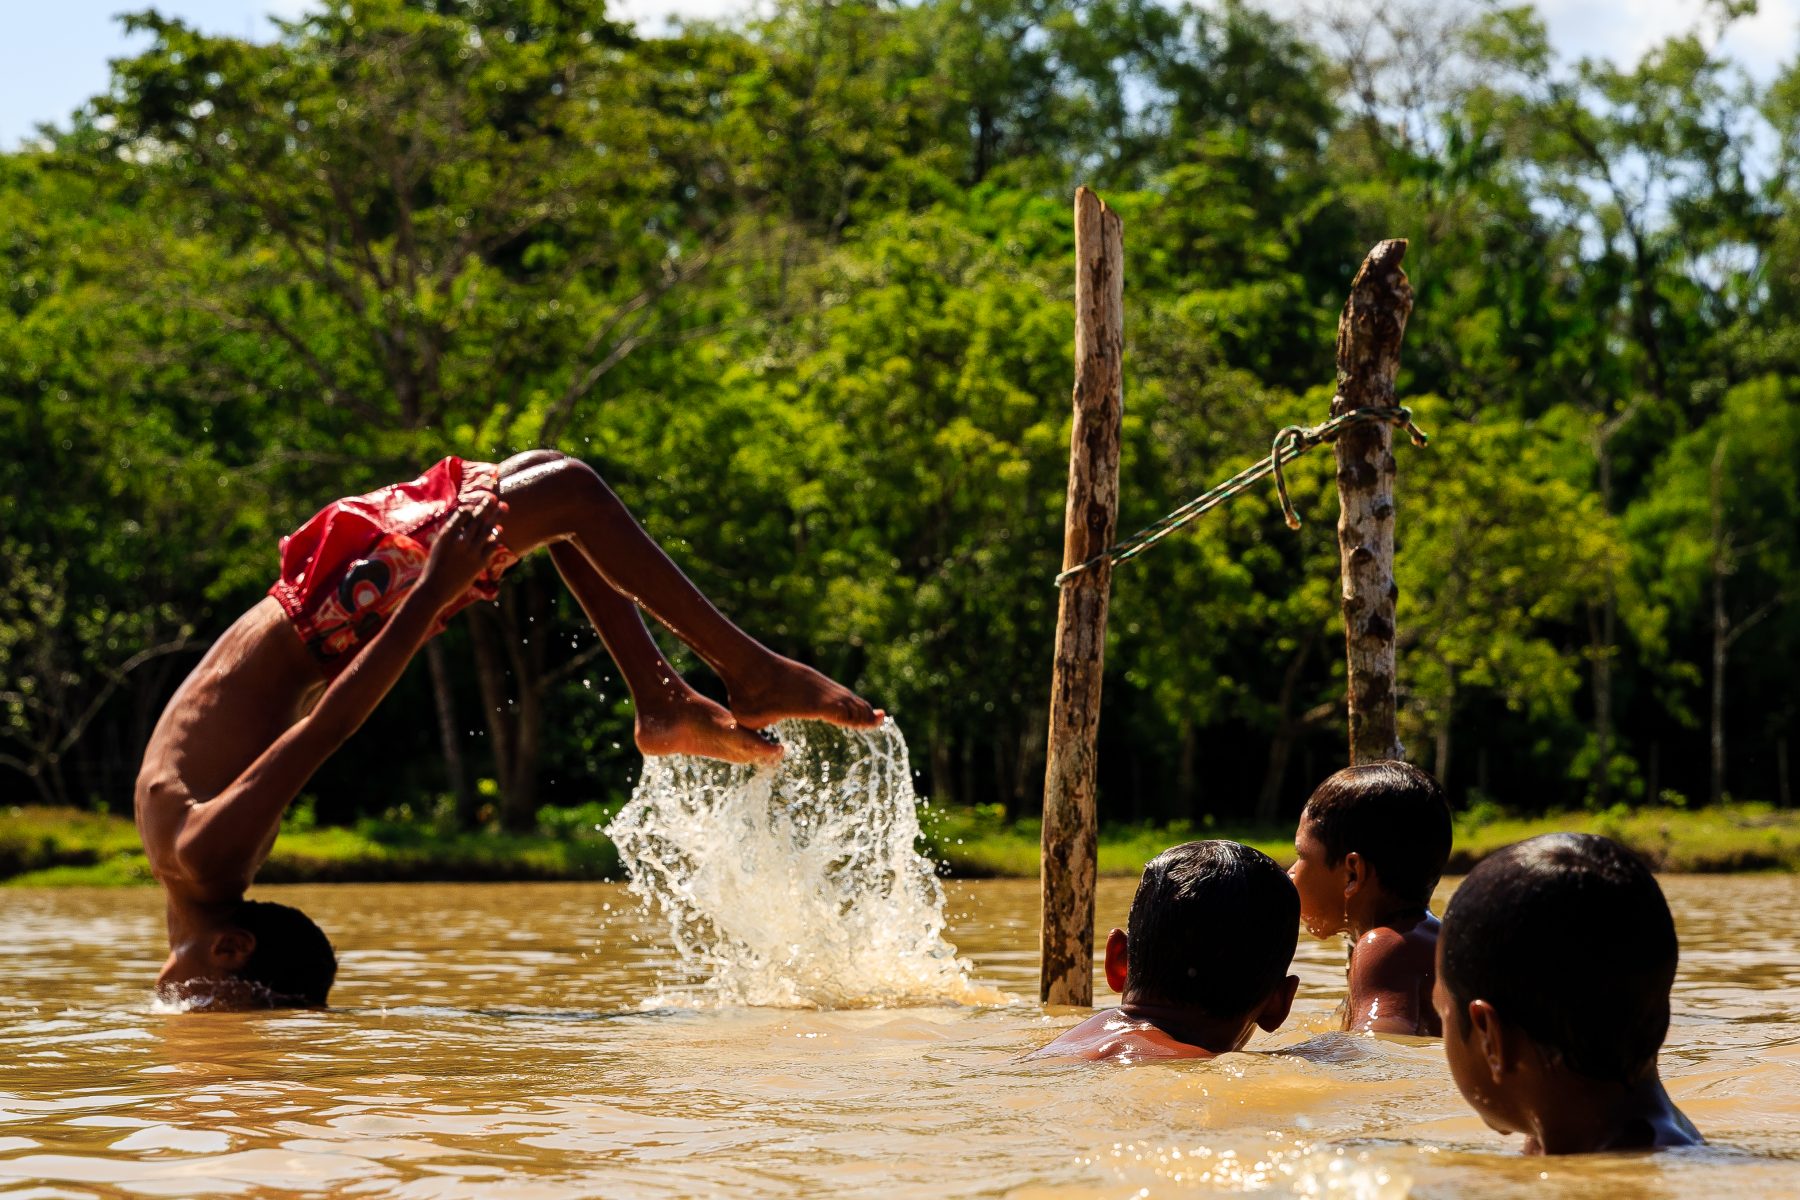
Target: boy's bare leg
672, 718
554, 498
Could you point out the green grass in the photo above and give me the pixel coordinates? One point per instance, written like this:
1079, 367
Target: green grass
978, 842
1732, 837
48, 847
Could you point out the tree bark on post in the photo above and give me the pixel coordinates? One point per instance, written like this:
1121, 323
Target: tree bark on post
1368, 358
1070, 840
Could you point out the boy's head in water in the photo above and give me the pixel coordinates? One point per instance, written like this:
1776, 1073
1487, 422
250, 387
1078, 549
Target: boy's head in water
1211, 933
256, 955
1370, 848
1203, 961
1555, 965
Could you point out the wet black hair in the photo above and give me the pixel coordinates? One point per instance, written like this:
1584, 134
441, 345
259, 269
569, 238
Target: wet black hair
1212, 927
1569, 938
1391, 813
293, 959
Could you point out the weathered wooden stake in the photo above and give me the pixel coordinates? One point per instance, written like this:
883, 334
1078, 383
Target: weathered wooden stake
1069, 842
1368, 358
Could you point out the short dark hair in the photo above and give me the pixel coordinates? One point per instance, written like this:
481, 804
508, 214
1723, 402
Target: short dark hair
1569, 938
1392, 814
1212, 927
293, 960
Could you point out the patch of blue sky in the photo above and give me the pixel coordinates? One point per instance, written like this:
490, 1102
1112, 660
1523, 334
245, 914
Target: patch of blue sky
55, 56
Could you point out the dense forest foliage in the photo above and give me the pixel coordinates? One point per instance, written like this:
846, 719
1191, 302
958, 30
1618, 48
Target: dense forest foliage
800, 288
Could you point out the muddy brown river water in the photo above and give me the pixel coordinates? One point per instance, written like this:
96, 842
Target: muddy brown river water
489, 1042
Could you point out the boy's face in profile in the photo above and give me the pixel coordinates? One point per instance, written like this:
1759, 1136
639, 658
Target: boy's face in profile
1321, 888
1468, 1059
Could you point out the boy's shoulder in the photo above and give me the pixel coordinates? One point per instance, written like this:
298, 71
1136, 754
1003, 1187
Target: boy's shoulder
1392, 968
1111, 1034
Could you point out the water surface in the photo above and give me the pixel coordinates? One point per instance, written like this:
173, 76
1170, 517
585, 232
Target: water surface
487, 1041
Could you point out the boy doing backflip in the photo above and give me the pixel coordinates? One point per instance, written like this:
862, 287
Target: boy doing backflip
363, 586
1371, 846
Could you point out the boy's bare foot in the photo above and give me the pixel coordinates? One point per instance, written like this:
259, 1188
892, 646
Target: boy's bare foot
782, 689
698, 726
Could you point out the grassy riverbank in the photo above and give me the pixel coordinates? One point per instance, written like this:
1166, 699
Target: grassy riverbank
1736, 837
50, 847
58, 847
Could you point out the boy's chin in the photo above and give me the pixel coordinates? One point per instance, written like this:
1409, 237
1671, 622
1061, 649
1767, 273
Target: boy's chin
228, 994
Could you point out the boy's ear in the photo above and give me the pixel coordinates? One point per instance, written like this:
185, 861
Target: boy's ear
1280, 1003
1489, 1036
1115, 961
232, 948
1356, 874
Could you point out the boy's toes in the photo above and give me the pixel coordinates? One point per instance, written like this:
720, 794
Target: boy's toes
860, 713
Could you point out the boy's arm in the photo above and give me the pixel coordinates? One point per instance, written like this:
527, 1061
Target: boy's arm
1385, 992
226, 837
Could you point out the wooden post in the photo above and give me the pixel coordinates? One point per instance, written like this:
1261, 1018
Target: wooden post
1066, 940
1368, 358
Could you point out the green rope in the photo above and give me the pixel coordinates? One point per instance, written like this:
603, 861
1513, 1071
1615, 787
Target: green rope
1290, 443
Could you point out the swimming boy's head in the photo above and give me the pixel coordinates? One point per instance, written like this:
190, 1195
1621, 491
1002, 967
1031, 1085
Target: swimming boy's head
1211, 933
292, 958
257, 954
1555, 961
1372, 836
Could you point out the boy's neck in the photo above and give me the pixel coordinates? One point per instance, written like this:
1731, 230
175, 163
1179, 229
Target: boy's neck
1213, 1034
1578, 1115
192, 924
1374, 906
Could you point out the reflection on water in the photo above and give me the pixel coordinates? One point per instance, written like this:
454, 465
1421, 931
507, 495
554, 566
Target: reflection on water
488, 1042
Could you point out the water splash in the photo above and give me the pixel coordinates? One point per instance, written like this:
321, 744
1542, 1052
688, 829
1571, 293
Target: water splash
796, 885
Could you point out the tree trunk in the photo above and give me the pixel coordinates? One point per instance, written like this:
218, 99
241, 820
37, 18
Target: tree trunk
1721, 631
525, 642
1604, 636
1440, 754
1602, 628
1281, 746
518, 795
1070, 838
1721, 623
466, 800
490, 676
1784, 793
1268, 800
1031, 744
1002, 776
1187, 791
943, 790
1368, 358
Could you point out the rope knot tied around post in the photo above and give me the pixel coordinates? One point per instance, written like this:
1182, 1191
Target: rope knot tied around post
1289, 443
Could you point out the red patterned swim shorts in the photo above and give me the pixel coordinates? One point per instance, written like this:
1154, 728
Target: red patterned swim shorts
345, 571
